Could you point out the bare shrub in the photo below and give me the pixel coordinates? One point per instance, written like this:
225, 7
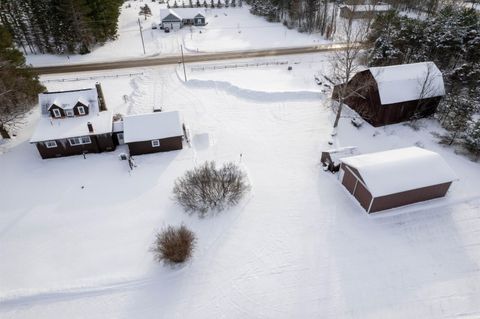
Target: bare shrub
174, 245
207, 188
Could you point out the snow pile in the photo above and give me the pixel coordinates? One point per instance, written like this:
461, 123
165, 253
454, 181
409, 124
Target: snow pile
408, 82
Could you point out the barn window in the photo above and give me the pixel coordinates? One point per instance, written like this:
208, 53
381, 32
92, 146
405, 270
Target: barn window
74, 141
155, 143
56, 113
81, 110
50, 144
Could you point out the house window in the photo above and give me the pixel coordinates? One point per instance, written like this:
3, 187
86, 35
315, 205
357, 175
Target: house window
56, 113
69, 113
81, 110
74, 141
155, 143
50, 144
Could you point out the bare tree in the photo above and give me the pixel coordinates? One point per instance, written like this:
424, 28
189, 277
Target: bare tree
345, 63
429, 87
208, 188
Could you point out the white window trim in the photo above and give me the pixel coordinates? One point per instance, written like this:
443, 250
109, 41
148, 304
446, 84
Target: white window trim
50, 144
81, 110
69, 113
75, 141
56, 113
155, 143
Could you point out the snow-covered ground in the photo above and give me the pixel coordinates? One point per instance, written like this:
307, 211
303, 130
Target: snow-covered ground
227, 29
75, 233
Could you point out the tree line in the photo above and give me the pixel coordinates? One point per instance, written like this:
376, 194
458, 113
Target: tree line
19, 86
60, 26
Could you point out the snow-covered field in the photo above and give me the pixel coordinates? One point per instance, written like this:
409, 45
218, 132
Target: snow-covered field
228, 29
75, 233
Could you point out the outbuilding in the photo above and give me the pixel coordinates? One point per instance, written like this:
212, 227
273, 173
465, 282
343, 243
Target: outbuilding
393, 94
153, 132
394, 178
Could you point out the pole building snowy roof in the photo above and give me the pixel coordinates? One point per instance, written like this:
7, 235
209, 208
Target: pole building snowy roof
151, 126
408, 82
400, 170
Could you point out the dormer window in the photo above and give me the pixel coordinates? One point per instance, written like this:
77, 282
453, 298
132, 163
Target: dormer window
56, 113
81, 110
69, 113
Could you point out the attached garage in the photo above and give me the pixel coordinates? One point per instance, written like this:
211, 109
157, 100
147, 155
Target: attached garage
394, 178
153, 132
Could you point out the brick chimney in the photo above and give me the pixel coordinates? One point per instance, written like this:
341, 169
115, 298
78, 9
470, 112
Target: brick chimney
90, 127
101, 98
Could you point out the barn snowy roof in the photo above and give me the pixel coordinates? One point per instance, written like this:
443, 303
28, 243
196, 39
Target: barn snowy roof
68, 99
367, 8
400, 170
150, 126
408, 82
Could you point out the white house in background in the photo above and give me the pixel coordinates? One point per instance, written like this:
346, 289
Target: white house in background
364, 11
174, 19
394, 178
153, 132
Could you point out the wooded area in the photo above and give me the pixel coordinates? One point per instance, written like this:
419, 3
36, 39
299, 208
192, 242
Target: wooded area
60, 26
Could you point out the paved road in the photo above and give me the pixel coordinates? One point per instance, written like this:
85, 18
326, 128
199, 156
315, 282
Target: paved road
172, 59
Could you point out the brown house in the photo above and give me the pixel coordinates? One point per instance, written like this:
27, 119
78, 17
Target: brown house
393, 94
364, 11
389, 179
72, 124
153, 132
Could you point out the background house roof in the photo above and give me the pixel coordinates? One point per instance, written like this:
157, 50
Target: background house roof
400, 170
181, 13
368, 8
151, 126
408, 82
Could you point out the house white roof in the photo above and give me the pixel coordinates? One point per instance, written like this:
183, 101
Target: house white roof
399, 170
54, 129
151, 126
68, 99
182, 13
49, 128
369, 7
408, 82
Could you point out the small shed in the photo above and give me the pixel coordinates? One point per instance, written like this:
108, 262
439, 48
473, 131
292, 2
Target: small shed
364, 11
153, 132
394, 178
393, 94
330, 159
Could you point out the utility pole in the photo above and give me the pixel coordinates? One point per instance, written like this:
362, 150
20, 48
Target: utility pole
141, 35
183, 62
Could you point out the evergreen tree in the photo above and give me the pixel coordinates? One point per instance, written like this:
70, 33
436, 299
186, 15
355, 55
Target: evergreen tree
212, 5
472, 138
19, 86
233, 4
227, 3
205, 4
145, 11
219, 4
